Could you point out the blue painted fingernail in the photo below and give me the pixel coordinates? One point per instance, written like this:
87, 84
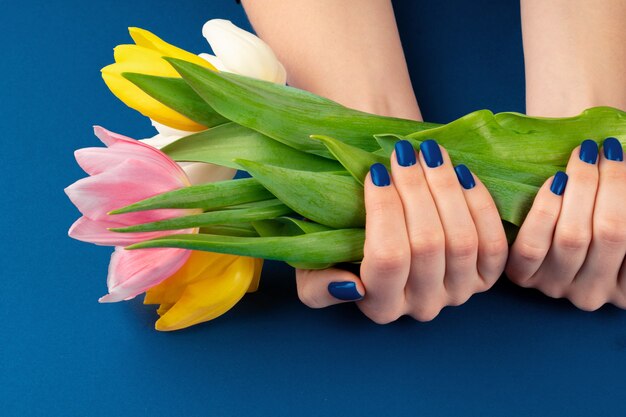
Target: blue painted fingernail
613, 149
465, 176
345, 291
588, 151
380, 176
405, 154
432, 153
558, 183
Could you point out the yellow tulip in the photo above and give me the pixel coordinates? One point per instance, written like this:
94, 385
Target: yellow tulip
146, 57
208, 285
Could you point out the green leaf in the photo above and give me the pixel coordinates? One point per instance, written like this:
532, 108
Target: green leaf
515, 137
287, 114
333, 246
332, 200
177, 95
221, 144
355, 160
288, 226
268, 209
206, 196
232, 229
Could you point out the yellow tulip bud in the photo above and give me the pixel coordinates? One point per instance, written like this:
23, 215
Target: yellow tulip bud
207, 286
146, 57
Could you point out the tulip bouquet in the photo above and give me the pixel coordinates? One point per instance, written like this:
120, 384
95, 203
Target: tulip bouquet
193, 238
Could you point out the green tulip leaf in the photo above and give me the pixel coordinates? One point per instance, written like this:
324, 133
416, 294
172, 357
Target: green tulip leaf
206, 196
221, 144
328, 247
287, 114
331, 200
177, 95
268, 209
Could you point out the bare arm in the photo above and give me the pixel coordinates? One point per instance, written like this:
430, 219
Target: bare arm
348, 51
575, 54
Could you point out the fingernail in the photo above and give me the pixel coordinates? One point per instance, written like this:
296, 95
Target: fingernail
613, 149
345, 291
558, 183
405, 154
380, 176
588, 151
432, 153
465, 176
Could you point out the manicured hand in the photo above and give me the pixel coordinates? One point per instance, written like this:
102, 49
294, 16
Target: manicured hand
573, 241
433, 238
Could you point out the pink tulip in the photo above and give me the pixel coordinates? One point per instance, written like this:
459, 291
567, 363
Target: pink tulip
124, 172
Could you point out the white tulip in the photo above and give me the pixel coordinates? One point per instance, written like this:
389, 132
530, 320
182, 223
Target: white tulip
241, 52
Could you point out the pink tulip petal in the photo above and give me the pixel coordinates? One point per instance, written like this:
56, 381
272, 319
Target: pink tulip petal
112, 139
96, 232
124, 184
132, 272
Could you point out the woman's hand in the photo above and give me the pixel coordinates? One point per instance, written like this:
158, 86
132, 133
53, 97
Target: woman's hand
430, 241
573, 241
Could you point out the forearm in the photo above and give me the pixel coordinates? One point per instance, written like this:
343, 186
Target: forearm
575, 55
348, 51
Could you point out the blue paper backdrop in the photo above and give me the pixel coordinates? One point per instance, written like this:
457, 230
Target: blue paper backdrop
506, 352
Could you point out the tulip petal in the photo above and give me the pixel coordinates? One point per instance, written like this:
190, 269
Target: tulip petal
137, 99
258, 268
209, 298
169, 131
133, 272
117, 141
199, 266
124, 184
149, 40
96, 232
203, 173
243, 53
213, 60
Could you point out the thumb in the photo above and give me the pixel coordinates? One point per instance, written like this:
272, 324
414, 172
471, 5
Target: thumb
318, 288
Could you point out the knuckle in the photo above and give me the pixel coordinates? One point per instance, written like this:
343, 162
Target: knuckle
463, 246
529, 252
427, 245
545, 213
426, 313
572, 239
388, 259
307, 298
610, 231
455, 300
587, 301
551, 289
383, 317
495, 247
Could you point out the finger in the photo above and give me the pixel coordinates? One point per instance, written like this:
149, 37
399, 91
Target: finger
492, 243
535, 235
598, 275
386, 253
318, 288
574, 226
461, 245
425, 233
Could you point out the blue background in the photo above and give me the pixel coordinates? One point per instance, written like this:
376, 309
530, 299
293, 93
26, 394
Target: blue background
506, 352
